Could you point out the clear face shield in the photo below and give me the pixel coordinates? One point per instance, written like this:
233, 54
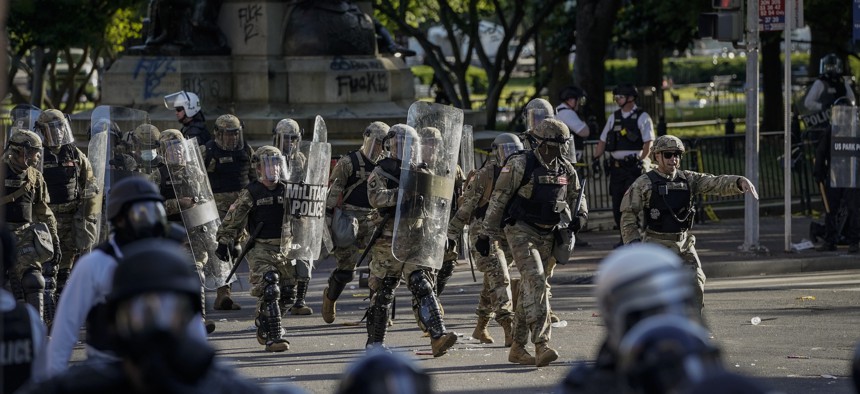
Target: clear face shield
396, 146
429, 151
57, 133
174, 152
372, 148
536, 115
288, 143
503, 151
230, 139
151, 313
176, 100
273, 168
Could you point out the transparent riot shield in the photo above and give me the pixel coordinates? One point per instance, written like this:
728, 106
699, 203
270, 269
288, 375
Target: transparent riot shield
467, 150
844, 147
307, 189
109, 152
23, 116
197, 206
427, 185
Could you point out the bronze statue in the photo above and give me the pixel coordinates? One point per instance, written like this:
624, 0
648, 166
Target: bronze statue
185, 26
328, 28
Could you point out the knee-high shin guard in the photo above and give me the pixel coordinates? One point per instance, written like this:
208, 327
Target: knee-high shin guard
270, 308
49, 272
337, 283
287, 296
377, 314
443, 275
428, 305
33, 285
301, 292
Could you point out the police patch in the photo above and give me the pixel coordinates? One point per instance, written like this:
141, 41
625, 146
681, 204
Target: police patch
655, 213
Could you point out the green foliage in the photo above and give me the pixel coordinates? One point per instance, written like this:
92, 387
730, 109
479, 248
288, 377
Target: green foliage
125, 25
673, 23
474, 75
683, 71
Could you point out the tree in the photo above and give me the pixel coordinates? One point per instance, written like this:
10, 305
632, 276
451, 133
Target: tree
553, 48
42, 34
594, 21
830, 24
518, 20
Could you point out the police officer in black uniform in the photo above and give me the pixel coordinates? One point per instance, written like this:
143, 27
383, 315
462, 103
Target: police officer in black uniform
189, 112
627, 137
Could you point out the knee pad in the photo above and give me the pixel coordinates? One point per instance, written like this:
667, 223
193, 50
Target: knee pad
386, 291
49, 270
271, 277
32, 281
419, 284
343, 276
271, 293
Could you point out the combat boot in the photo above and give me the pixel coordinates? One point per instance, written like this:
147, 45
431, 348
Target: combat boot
299, 307
481, 333
441, 345
328, 308
544, 354
519, 355
223, 300
287, 298
515, 293
507, 324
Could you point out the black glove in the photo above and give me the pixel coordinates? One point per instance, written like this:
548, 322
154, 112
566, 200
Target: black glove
577, 223
451, 244
237, 250
482, 245
223, 251
595, 166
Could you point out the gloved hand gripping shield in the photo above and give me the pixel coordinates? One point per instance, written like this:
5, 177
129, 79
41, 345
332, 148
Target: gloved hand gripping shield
427, 183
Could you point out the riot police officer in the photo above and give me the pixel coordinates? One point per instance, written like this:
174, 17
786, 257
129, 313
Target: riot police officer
228, 163
659, 204
262, 204
347, 194
627, 137
189, 113
830, 85
29, 217
495, 297
532, 191
74, 201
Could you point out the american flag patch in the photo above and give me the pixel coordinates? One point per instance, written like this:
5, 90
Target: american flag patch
562, 180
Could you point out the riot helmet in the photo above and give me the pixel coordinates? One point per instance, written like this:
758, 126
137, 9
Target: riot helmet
572, 92
666, 354
26, 147
287, 136
551, 135
505, 145
536, 111
641, 280
270, 163
183, 101
135, 208
144, 141
402, 140
668, 146
374, 139
830, 66
55, 128
384, 372
431, 143
229, 133
625, 90
172, 147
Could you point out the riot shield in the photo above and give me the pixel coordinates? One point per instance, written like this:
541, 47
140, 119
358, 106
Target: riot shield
427, 185
467, 150
23, 116
844, 147
197, 206
109, 152
307, 189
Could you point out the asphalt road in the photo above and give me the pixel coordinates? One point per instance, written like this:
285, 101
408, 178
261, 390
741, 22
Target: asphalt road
802, 345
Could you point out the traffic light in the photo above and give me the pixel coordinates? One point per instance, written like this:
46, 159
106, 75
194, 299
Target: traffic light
727, 24
727, 4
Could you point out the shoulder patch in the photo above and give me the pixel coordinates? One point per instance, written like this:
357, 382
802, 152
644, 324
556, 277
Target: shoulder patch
506, 169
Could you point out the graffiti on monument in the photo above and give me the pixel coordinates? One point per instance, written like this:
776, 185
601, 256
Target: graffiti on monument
250, 18
204, 87
369, 82
153, 70
339, 63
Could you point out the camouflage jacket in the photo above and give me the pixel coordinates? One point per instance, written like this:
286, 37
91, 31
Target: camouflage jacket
477, 194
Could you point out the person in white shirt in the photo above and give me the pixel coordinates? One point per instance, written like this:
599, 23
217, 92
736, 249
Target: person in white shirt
572, 99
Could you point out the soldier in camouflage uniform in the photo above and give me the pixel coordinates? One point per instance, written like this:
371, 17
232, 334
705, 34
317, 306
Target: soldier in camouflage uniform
348, 192
495, 297
228, 163
294, 286
532, 191
75, 201
26, 201
143, 141
383, 189
261, 205
659, 207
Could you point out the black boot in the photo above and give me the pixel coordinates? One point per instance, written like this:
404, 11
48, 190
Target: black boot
430, 313
443, 275
377, 314
50, 298
287, 297
37, 300
299, 307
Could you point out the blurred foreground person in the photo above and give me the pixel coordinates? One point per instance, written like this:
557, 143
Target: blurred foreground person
384, 372
154, 299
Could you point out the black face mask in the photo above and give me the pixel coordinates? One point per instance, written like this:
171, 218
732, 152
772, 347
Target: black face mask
549, 152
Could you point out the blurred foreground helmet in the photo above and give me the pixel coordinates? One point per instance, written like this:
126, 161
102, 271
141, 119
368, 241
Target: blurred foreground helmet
641, 280
374, 139
229, 133
552, 131
830, 65
504, 145
667, 143
185, 100
270, 162
666, 354
135, 208
381, 372
287, 136
399, 136
625, 89
536, 111
54, 128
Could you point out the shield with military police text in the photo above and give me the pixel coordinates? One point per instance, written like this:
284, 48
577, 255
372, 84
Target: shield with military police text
197, 206
844, 147
427, 176
307, 190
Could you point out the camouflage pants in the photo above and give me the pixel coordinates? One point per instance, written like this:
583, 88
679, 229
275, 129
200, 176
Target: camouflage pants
684, 244
266, 256
383, 264
223, 202
19, 268
297, 271
347, 257
531, 252
495, 297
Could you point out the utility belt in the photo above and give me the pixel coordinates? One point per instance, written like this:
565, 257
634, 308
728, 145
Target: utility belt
675, 237
542, 229
66, 208
350, 207
623, 163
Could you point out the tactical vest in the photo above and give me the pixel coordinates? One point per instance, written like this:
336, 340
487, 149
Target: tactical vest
17, 350
833, 90
61, 171
228, 169
197, 129
670, 209
355, 190
625, 133
481, 210
267, 208
550, 189
20, 210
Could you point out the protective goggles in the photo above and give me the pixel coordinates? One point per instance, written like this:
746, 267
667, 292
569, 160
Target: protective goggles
154, 312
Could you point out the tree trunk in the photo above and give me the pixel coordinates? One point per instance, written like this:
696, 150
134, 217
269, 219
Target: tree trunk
39, 67
594, 22
772, 115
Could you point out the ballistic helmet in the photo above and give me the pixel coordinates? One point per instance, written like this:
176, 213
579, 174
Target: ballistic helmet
572, 92
374, 137
626, 89
145, 136
551, 131
155, 265
25, 139
637, 281
271, 162
399, 136
172, 146
536, 111
129, 190
228, 132
667, 143
381, 372
185, 100
287, 135
55, 128
830, 65
504, 145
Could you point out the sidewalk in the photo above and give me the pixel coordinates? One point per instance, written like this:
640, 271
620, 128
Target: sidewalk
718, 246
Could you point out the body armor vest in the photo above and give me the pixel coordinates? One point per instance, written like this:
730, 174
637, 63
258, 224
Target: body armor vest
20, 210
229, 167
17, 348
833, 90
167, 191
550, 189
670, 209
61, 171
357, 181
268, 208
625, 133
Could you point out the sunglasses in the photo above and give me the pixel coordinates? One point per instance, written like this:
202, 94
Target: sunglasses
180, 109
669, 155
